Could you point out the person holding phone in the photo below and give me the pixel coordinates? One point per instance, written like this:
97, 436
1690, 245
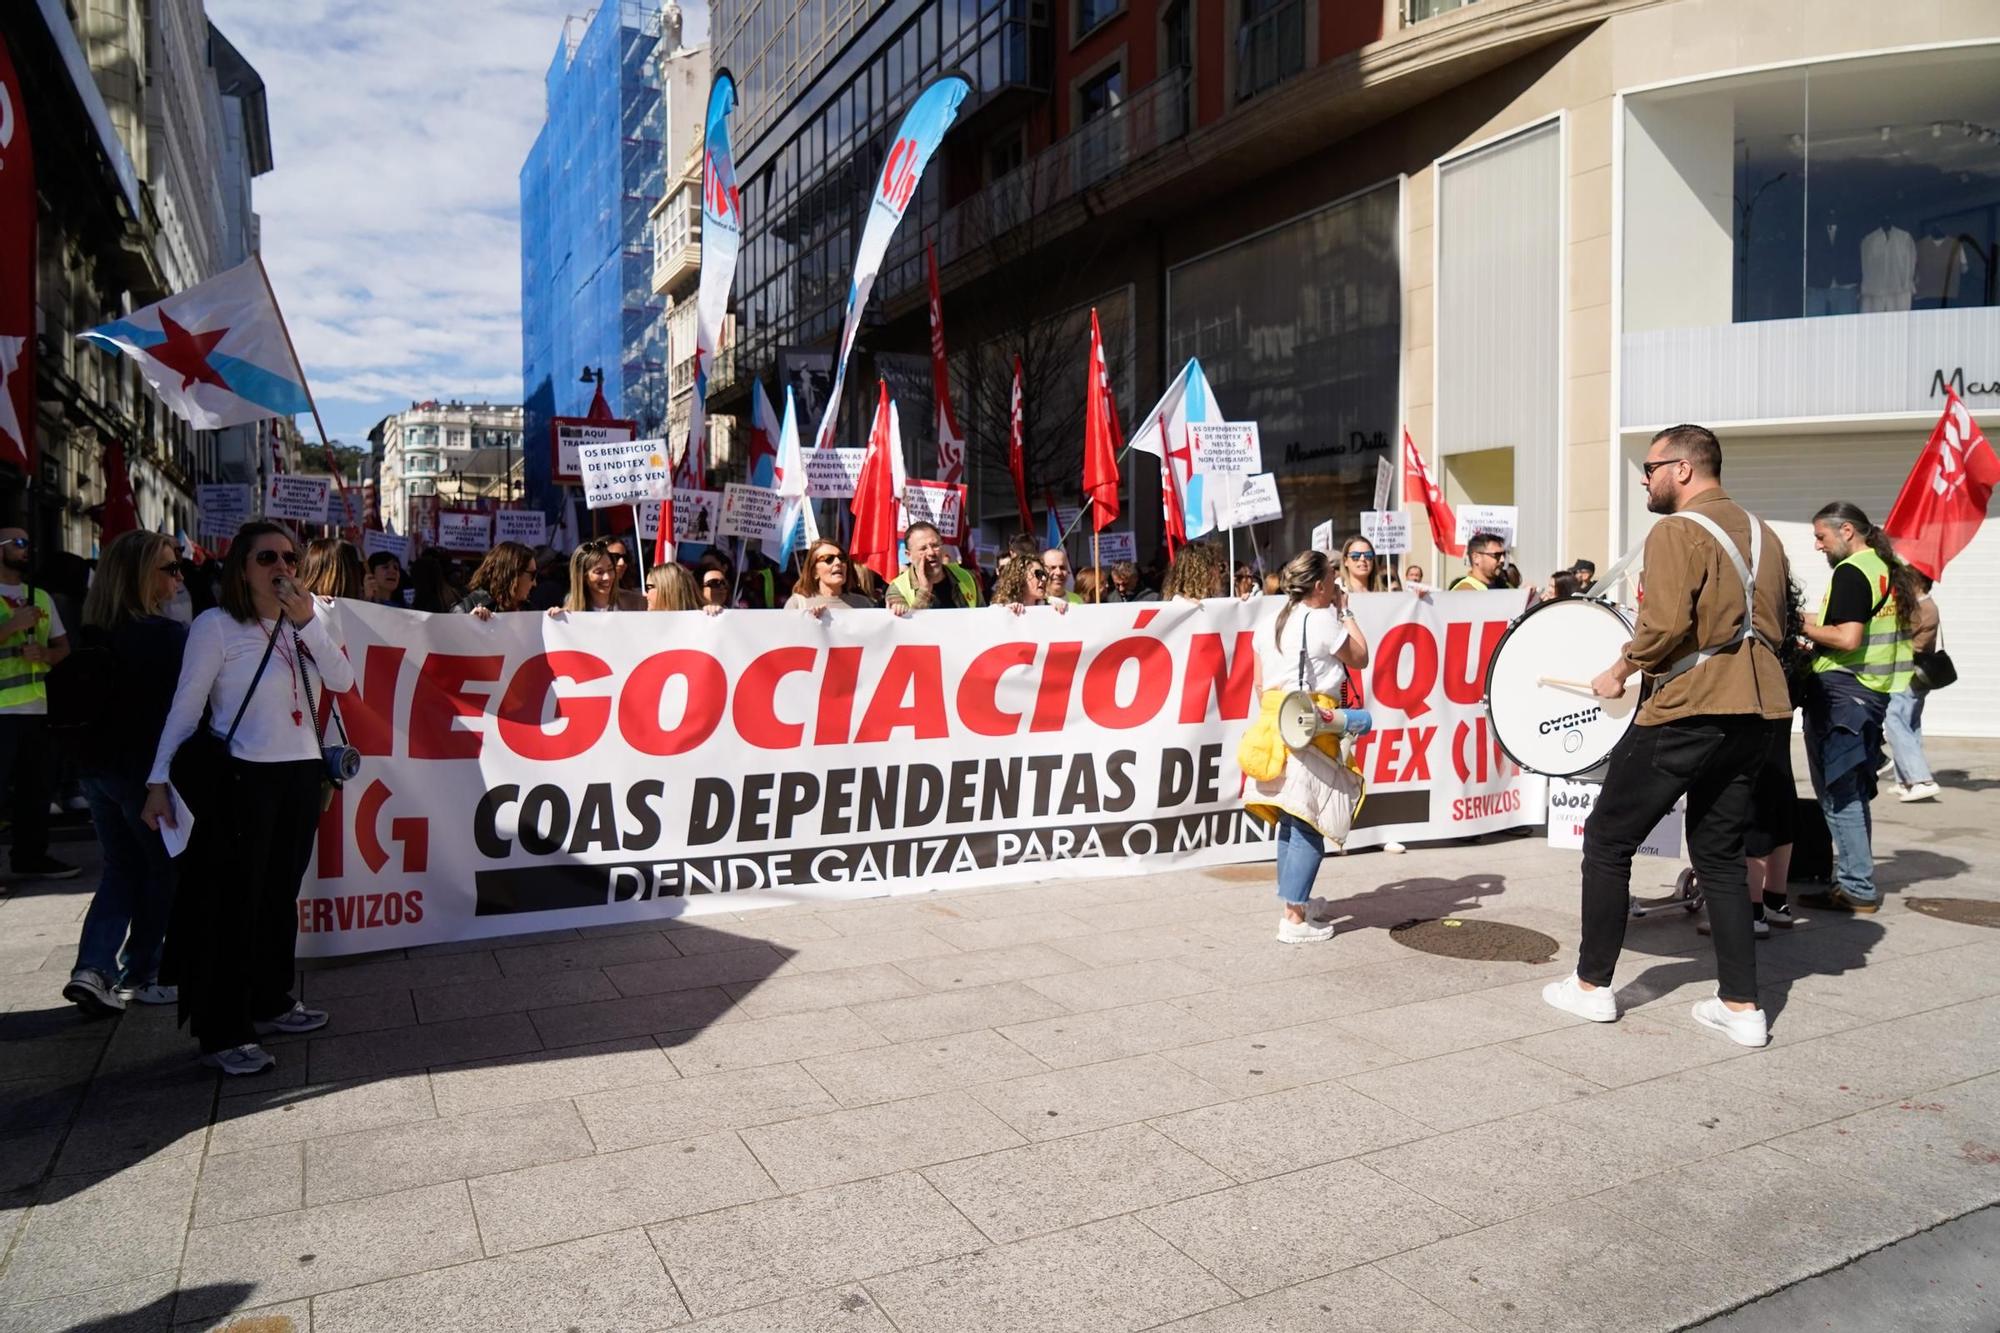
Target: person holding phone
263, 666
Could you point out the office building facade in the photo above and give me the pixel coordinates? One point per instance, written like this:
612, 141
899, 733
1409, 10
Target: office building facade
458, 452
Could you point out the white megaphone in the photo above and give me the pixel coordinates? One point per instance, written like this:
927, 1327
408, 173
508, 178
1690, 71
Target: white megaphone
1300, 720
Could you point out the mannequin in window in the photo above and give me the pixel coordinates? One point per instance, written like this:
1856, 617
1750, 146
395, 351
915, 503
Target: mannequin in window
1941, 262
1833, 267
1888, 268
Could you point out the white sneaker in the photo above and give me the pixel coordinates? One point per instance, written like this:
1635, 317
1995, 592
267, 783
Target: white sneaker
152, 993
1599, 1005
1394, 848
1888, 767
1745, 1027
296, 1019
90, 992
1302, 932
237, 1061
1919, 791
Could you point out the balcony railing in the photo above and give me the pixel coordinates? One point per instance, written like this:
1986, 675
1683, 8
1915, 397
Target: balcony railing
1271, 48
1123, 137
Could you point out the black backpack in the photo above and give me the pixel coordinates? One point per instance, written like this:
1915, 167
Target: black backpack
88, 693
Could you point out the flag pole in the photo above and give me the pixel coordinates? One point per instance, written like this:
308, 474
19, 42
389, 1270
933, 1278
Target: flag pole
1097, 589
326, 446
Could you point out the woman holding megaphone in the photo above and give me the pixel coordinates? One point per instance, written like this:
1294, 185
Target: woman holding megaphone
1291, 757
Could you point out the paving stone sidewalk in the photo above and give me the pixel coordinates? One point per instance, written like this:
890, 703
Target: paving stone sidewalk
1102, 1106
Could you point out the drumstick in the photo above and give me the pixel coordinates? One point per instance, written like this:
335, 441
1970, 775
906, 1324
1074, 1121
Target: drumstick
1561, 684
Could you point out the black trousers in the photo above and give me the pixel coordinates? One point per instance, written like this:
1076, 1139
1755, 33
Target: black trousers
236, 921
28, 770
1714, 762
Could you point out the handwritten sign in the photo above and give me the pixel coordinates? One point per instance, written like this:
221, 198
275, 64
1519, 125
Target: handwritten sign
1323, 537
832, 474
624, 472
300, 499
1226, 446
530, 527
1115, 546
464, 530
1256, 502
1570, 804
748, 511
1387, 531
1500, 520
224, 509
939, 503
569, 434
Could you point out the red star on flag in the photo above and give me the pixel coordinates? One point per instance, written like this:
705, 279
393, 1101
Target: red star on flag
187, 353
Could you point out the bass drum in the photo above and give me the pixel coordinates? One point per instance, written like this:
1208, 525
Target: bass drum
1538, 695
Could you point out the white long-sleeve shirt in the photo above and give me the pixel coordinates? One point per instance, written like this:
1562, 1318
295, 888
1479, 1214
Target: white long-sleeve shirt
216, 670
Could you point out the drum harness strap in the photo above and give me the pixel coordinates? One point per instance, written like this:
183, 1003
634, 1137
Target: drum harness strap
1748, 573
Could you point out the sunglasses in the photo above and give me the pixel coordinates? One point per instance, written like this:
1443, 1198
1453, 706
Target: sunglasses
830, 558
1648, 469
18, 543
1038, 573
617, 557
269, 558
1360, 555
715, 583
174, 569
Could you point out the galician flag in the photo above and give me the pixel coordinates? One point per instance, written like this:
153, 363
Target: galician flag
217, 353
1163, 433
789, 478
763, 442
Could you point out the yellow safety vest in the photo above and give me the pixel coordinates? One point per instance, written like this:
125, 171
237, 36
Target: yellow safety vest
1884, 662
904, 584
20, 680
1467, 583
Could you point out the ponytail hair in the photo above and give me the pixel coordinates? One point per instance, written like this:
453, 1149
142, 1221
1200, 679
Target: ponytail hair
1296, 582
1904, 582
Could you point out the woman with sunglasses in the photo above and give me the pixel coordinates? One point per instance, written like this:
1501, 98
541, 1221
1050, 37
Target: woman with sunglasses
1024, 582
823, 582
593, 583
670, 587
503, 582
264, 667
118, 957
1359, 570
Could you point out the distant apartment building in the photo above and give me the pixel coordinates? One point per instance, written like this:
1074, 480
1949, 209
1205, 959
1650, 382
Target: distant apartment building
458, 452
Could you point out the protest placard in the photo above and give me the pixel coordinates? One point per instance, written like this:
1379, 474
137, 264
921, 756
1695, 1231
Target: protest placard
300, 499
1256, 502
465, 530
568, 434
1500, 520
393, 543
530, 527
1115, 546
1323, 537
832, 474
1226, 446
939, 503
747, 511
224, 509
624, 472
1387, 531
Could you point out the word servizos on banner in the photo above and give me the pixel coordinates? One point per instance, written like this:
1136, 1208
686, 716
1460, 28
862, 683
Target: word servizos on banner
300, 499
1387, 531
224, 509
529, 774
625, 472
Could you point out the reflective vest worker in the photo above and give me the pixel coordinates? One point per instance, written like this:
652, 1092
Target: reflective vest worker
1863, 592
32, 640
931, 580
1483, 555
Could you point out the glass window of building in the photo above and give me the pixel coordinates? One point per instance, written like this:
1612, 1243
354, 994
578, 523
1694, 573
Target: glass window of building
1100, 93
1090, 13
1863, 186
1298, 329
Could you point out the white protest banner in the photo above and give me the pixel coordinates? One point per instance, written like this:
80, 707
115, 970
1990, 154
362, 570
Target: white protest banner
465, 530
396, 545
1323, 537
1388, 531
832, 474
528, 774
224, 509
530, 527
1500, 520
569, 434
625, 473
1226, 446
1115, 546
1385, 482
1570, 804
748, 511
298, 498
1067, 517
939, 503
1255, 502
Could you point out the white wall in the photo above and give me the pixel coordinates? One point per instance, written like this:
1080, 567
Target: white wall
1679, 197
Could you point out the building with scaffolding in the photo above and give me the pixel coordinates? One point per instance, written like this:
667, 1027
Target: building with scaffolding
589, 183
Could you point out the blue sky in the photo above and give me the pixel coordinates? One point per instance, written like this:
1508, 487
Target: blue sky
390, 222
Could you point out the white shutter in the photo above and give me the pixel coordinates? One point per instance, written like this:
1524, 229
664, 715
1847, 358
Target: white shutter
1785, 481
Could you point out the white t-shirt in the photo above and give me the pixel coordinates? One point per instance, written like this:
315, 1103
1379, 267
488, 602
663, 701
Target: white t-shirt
16, 596
1324, 634
216, 670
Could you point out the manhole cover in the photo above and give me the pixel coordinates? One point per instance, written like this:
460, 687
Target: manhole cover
1965, 911
1479, 941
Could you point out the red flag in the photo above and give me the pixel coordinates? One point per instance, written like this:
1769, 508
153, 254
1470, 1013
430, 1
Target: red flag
119, 514
1100, 456
18, 214
1173, 513
951, 440
874, 505
1017, 463
1417, 485
1944, 500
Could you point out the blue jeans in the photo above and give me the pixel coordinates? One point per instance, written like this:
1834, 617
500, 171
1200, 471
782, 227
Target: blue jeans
1904, 726
1300, 850
135, 893
1844, 802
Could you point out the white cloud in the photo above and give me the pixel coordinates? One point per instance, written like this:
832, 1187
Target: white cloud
391, 220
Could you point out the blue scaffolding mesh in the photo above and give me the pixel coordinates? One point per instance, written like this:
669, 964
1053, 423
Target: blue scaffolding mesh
589, 182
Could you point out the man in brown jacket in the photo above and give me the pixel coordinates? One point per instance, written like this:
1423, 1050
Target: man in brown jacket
1712, 613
